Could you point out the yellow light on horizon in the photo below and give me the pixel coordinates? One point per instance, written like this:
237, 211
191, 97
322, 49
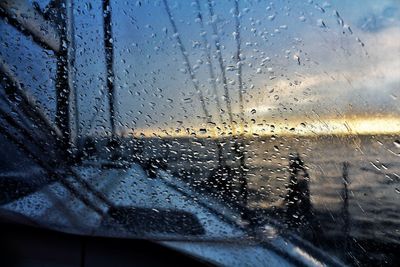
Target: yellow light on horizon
354, 126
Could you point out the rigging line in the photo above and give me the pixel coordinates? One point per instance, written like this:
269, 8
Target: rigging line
208, 58
87, 130
30, 22
51, 172
31, 155
82, 197
40, 145
60, 205
239, 62
17, 90
187, 62
38, 132
27, 124
25, 121
220, 61
21, 130
16, 94
91, 189
7, 118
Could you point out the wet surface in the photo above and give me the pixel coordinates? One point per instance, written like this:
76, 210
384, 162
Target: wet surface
363, 229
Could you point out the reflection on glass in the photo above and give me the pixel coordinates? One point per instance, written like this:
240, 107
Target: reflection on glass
142, 119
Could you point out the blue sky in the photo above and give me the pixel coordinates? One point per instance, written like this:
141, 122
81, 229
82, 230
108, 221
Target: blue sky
349, 63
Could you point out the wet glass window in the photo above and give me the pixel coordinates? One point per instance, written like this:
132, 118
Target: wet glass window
271, 122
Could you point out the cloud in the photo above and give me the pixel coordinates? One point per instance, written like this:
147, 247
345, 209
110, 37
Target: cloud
357, 85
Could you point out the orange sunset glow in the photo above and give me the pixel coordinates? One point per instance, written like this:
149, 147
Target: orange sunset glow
354, 126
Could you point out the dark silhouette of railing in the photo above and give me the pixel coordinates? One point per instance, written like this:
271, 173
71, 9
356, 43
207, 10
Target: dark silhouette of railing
298, 203
345, 209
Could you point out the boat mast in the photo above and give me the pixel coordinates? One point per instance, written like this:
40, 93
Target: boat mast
63, 89
71, 65
109, 53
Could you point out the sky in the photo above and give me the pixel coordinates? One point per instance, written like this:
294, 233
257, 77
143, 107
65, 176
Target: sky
306, 65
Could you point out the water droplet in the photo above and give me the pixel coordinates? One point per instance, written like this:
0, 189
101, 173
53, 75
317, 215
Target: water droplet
347, 27
321, 23
230, 68
360, 42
